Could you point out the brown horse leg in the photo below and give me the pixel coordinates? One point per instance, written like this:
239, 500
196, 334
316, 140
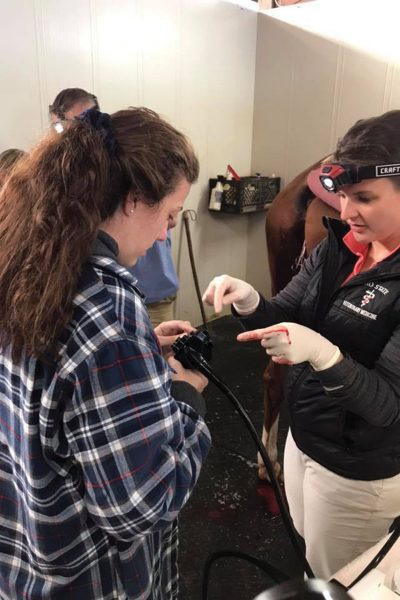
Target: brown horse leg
284, 241
273, 394
288, 224
284, 229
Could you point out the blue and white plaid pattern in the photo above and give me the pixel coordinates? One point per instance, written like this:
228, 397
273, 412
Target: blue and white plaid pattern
96, 457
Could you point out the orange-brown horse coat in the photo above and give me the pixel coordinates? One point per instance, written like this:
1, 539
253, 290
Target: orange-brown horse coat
293, 228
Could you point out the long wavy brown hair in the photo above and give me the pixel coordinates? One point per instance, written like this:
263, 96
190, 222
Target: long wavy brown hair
51, 209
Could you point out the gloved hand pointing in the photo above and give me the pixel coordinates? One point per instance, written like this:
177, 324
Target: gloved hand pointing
224, 290
290, 344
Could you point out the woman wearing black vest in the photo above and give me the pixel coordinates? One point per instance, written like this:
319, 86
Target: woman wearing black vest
337, 326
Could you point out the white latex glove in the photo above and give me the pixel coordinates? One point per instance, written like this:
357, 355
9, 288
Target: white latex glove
224, 290
290, 344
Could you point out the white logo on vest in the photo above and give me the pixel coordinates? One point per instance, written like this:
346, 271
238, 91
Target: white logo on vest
368, 296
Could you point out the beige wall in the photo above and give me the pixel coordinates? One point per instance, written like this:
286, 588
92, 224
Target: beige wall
308, 91
191, 60
209, 67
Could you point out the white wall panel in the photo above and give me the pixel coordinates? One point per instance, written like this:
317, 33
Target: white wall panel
117, 53
273, 97
309, 90
216, 104
20, 90
65, 47
161, 25
191, 60
312, 94
393, 95
362, 91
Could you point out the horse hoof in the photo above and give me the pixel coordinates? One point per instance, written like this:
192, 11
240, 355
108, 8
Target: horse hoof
262, 473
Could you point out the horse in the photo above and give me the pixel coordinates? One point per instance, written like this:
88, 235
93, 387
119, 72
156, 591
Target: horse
293, 228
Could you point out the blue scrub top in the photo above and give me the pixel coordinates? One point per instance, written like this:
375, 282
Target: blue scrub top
155, 272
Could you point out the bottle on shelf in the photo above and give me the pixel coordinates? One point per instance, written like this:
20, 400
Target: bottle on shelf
216, 195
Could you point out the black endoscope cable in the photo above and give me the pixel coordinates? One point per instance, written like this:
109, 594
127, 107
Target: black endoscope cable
196, 361
205, 369
192, 358
380, 555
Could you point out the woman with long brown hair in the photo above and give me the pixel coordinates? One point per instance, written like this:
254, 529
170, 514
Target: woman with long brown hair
100, 446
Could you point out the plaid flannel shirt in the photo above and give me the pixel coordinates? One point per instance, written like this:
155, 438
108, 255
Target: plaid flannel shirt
96, 456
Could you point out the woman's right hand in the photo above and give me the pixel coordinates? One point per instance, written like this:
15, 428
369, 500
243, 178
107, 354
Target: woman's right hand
224, 290
195, 378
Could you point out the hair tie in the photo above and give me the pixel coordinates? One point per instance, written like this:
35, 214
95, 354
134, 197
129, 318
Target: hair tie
101, 122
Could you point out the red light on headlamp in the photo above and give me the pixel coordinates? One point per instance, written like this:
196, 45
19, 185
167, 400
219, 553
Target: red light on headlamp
332, 177
335, 176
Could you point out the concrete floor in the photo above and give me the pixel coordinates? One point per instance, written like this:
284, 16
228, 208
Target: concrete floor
230, 508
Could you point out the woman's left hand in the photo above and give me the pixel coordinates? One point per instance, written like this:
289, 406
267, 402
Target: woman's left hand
169, 331
290, 344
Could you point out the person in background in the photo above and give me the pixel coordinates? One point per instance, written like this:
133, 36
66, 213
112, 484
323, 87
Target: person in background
156, 273
68, 104
337, 327
8, 159
158, 279
102, 440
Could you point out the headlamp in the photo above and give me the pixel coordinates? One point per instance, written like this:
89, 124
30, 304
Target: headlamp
335, 176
